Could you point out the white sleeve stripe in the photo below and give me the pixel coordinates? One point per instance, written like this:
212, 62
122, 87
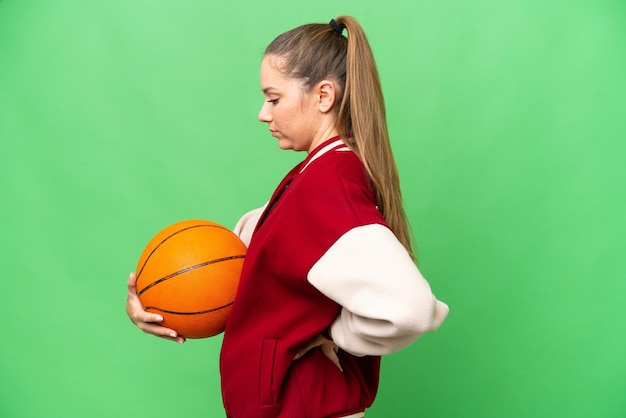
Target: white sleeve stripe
322, 152
386, 303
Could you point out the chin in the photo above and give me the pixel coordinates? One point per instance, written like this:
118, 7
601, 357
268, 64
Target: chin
284, 144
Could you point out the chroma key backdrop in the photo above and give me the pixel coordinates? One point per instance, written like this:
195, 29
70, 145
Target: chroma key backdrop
508, 121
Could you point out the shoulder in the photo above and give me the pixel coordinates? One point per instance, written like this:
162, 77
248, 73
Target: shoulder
337, 183
336, 168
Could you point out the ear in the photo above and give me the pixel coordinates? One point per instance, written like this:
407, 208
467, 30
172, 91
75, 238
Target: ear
326, 91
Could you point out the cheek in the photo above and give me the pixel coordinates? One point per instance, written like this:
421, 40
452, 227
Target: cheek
286, 116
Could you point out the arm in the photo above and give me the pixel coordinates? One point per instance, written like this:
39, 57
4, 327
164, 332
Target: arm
387, 304
247, 224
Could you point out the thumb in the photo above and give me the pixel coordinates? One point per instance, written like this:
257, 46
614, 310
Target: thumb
132, 280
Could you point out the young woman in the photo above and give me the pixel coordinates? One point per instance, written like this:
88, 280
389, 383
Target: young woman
329, 283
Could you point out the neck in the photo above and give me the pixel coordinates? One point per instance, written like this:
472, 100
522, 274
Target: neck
322, 135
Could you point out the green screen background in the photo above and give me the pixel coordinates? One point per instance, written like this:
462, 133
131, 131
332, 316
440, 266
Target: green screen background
508, 121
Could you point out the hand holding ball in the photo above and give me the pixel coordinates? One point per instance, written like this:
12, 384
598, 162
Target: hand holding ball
189, 274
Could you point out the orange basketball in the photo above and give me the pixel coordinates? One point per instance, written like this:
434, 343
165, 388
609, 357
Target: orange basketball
189, 273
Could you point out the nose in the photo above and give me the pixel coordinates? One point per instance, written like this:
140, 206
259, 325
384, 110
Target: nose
265, 115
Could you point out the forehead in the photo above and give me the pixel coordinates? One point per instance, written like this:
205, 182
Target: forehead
272, 78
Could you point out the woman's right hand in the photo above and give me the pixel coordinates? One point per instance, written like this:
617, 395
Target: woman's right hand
146, 321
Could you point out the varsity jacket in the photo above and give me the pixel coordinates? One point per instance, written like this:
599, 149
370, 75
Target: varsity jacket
320, 259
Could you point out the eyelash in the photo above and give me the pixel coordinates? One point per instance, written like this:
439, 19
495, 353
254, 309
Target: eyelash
273, 101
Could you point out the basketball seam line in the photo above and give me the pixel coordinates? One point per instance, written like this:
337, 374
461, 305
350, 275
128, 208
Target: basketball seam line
185, 270
188, 313
170, 236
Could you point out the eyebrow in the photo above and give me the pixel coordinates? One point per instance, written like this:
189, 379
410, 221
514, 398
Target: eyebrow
269, 89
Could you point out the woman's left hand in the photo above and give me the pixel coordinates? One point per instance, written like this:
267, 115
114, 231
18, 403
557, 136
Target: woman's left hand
328, 347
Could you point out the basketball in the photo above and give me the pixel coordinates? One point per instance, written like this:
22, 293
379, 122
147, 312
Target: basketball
189, 273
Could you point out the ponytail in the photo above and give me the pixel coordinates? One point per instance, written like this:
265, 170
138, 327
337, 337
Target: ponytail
317, 51
362, 114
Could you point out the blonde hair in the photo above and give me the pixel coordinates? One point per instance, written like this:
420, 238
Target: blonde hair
313, 52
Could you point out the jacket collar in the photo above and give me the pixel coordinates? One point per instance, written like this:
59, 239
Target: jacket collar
334, 143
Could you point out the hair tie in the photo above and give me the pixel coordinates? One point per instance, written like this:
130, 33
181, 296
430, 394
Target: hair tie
337, 27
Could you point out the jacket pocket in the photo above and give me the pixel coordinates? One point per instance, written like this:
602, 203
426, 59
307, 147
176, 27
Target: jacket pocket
266, 372
326, 390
